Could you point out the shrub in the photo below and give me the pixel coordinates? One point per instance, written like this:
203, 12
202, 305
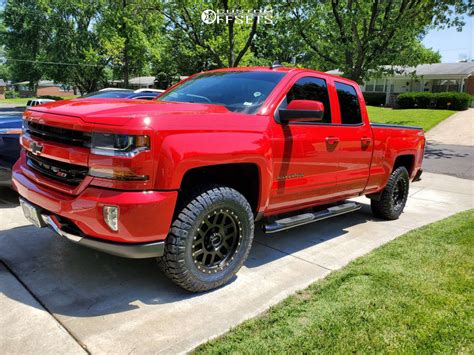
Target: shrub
443, 100
405, 100
414, 100
51, 97
422, 99
452, 100
374, 98
11, 94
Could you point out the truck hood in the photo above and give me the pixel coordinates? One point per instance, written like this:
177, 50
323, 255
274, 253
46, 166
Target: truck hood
117, 112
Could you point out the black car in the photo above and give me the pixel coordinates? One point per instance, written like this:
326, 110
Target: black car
10, 129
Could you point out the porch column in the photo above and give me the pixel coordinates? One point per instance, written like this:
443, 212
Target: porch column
387, 94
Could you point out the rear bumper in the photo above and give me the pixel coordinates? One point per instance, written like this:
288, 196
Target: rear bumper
144, 216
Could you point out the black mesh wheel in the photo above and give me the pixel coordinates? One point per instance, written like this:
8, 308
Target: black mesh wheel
209, 239
394, 196
217, 240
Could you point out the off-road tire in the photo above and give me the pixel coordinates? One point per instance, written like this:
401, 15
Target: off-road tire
391, 204
179, 262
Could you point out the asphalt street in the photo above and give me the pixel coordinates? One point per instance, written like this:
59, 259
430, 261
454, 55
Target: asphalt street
449, 159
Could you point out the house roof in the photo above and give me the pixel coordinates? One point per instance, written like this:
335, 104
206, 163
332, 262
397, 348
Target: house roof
40, 83
142, 80
47, 83
2, 83
22, 83
462, 68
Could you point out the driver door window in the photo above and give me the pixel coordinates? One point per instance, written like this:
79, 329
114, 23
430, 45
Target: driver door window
309, 88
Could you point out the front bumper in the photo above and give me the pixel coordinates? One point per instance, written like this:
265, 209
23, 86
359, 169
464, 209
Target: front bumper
133, 251
144, 216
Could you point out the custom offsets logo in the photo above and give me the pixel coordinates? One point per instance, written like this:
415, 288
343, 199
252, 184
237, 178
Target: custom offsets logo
239, 17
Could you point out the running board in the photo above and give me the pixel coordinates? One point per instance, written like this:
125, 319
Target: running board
305, 218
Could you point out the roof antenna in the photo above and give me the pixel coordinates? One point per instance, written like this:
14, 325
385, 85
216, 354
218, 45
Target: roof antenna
275, 64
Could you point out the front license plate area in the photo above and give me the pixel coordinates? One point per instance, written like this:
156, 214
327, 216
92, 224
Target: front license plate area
32, 214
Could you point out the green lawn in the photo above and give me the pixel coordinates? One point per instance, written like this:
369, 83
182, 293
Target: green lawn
412, 295
21, 101
411, 117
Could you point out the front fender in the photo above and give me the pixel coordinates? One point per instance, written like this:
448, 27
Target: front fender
182, 152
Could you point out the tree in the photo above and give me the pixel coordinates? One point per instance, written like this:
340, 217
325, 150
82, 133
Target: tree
359, 36
227, 42
24, 31
74, 42
131, 35
55, 39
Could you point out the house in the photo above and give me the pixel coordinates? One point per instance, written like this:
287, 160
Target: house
48, 87
44, 87
142, 82
438, 77
3, 87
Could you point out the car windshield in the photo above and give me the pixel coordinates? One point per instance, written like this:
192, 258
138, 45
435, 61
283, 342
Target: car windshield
239, 91
109, 94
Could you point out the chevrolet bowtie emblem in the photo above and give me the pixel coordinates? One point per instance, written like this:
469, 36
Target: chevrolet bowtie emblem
36, 148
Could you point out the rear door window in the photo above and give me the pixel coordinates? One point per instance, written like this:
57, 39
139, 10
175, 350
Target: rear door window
309, 88
348, 104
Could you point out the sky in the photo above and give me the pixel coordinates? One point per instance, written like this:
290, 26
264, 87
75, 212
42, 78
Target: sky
451, 44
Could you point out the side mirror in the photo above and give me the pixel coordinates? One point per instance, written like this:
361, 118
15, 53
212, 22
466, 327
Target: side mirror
302, 110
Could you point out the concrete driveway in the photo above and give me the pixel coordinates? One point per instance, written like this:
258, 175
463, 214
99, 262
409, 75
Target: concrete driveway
450, 148
57, 297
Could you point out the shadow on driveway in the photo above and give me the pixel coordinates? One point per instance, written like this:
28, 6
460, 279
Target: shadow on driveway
8, 198
75, 281
439, 151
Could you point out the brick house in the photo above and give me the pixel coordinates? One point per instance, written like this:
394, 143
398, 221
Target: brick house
44, 87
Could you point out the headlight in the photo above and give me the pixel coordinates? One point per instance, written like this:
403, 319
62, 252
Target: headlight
118, 144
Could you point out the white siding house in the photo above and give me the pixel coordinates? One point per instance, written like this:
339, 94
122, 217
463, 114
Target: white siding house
439, 77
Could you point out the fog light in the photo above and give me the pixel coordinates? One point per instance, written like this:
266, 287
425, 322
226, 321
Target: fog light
111, 214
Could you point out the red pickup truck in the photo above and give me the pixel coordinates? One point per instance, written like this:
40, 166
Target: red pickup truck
185, 177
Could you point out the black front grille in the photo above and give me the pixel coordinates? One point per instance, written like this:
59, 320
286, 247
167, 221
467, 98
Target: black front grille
58, 134
67, 173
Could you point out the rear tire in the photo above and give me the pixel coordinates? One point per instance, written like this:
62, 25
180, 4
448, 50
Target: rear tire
209, 240
394, 196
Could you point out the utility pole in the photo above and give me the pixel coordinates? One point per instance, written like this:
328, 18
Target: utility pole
125, 48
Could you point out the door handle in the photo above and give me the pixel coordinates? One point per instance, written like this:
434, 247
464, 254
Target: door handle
332, 140
366, 140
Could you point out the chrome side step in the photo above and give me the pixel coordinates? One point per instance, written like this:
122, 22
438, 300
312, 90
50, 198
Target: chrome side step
305, 218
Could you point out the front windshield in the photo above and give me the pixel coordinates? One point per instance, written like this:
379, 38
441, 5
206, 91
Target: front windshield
238, 91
